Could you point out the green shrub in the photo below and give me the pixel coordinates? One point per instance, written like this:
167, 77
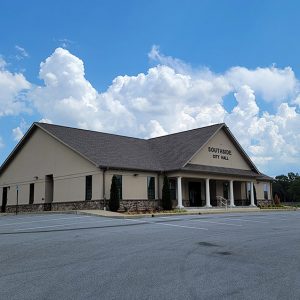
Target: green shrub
166, 196
114, 201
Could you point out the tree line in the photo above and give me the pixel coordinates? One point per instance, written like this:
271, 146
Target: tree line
286, 188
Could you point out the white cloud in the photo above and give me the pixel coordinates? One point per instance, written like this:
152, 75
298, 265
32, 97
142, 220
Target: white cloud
171, 97
155, 129
12, 87
177, 64
1, 143
43, 120
19, 131
3, 63
65, 43
21, 53
272, 84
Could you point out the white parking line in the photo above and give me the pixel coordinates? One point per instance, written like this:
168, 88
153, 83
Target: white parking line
166, 224
182, 226
47, 220
169, 217
246, 220
213, 222
63, 225
275, 218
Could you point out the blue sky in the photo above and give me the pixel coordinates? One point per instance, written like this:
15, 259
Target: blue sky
202, 42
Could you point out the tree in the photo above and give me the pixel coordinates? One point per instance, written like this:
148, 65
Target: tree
114, 201
294, 189
166, 196
286, 188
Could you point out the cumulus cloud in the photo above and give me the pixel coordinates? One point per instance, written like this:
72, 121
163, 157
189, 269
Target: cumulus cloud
271, 83
19, 131
12, 88
44, 120
172, 96
68, 96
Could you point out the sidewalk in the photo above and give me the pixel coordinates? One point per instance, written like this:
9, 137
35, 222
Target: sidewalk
186, 211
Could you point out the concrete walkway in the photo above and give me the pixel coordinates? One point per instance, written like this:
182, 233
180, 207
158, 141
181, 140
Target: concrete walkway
186, 211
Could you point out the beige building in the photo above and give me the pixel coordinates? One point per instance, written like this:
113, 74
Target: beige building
55, 167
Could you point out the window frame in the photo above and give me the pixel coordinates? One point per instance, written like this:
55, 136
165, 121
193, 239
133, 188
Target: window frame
31, 193
173, 188
266, 191
119, 183
151, 189
88, 187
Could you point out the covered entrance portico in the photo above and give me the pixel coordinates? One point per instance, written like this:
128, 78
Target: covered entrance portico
208, 192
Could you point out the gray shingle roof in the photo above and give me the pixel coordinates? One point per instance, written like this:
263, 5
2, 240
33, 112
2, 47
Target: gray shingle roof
174, 150
165, 153
106, 150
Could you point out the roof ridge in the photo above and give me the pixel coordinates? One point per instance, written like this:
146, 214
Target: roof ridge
189, 130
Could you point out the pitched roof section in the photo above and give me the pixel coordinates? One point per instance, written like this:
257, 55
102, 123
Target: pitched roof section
174, 150
165, 153
106, 150
170, 152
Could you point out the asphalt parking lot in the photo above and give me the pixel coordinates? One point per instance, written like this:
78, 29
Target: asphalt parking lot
227, 256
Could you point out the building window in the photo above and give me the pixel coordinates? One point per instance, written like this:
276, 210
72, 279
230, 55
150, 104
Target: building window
266, 191
151, 187
172, 186
88, 187
248, 190
31, 193
119, 185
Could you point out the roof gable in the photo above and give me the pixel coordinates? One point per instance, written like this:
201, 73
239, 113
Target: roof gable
175, 150
221, 151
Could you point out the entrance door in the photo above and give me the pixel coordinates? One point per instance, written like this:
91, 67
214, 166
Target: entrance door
49, 189
195, 194
4, 199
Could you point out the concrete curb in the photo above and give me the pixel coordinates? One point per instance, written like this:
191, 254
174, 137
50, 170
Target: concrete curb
186, 213
109, 214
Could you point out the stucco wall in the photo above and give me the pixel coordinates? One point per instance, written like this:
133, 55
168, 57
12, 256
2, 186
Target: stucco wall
134, 184
259, 186
220, 141
43, 155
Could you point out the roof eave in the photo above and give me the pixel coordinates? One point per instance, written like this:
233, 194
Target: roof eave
256, 176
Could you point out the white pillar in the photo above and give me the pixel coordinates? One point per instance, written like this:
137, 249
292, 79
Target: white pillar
231, 193
179, 193
207, 193
252, 194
